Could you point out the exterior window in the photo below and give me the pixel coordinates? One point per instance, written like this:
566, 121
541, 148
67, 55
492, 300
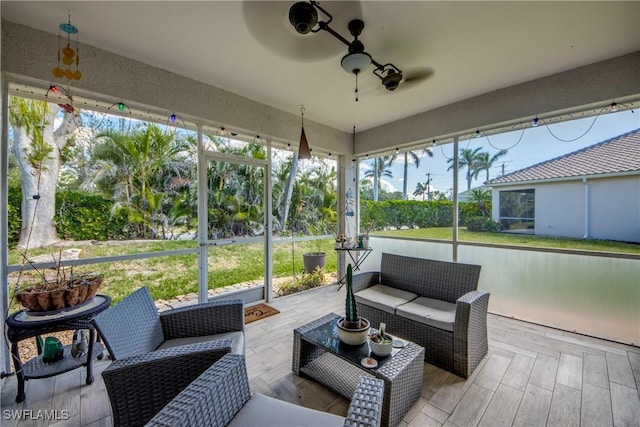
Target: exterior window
517, 210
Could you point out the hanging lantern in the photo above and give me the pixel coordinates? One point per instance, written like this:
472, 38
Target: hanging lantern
67, 55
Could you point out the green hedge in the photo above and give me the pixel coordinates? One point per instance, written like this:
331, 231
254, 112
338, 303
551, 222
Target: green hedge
482, 223
15, 214
79, 216
413, 213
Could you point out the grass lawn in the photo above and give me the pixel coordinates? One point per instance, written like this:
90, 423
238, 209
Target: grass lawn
170, 276
446, 233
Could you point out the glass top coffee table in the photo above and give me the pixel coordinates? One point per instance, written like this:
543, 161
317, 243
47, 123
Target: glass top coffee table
319, 354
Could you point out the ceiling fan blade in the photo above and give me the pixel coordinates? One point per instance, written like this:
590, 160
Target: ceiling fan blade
268, 22
411, 78
415, 77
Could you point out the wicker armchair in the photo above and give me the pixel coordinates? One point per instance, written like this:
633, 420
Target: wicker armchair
221, 397
458, 348
155, 356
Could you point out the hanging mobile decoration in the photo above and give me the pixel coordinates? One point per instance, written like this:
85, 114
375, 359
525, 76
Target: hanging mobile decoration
67, 56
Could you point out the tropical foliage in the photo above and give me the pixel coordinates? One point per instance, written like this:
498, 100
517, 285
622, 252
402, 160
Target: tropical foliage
141, 180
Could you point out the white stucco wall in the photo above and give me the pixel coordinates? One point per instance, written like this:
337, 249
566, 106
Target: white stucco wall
559, 209
614, 208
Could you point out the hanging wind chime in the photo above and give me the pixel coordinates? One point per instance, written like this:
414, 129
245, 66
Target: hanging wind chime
67, 56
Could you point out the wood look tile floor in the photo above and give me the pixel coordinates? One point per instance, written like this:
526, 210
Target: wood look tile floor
532, 376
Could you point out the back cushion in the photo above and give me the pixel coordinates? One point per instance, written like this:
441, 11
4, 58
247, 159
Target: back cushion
441, 280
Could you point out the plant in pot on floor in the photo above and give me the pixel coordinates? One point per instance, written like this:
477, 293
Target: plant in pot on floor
317, 259
352, 329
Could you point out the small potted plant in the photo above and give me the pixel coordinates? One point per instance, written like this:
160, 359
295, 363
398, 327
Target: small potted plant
381, 344
365, 235
352, 329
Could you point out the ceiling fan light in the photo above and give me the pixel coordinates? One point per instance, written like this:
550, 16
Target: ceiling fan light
392, 80
303, 16
355, 62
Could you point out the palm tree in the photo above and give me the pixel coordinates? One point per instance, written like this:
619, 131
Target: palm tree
381, 167
416, 162
485, 163
469, 159
288, 190
137, 167
482, 199
422, 189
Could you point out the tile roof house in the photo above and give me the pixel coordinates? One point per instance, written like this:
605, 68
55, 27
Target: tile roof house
620, 154
590, 193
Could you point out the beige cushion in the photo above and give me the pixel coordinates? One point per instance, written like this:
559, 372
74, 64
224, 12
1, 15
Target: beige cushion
434, 312
384, 297
237, 337
266, 411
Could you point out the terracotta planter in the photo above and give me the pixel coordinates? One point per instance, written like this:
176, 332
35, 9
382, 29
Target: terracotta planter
66, 295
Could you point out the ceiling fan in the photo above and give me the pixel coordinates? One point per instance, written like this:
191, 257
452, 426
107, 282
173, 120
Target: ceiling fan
303, 16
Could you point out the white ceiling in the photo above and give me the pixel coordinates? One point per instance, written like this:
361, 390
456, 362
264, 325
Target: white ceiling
250, 49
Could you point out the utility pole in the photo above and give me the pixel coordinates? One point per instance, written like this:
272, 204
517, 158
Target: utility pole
502, 168
428, 184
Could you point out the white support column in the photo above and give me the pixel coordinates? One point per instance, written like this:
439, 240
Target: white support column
268, 229
455, 199
351, 207
203, 266
342, 171
4, 245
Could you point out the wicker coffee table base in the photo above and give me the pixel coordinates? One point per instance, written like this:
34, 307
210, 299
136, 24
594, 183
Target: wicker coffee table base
402, 375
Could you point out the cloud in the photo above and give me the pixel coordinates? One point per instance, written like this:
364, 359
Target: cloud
365, 166
387, 186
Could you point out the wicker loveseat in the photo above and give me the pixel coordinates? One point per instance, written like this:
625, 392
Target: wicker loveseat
221, 397
435, 304
155, 356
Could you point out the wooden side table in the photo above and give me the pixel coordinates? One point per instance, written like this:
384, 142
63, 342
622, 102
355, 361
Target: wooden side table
22, 325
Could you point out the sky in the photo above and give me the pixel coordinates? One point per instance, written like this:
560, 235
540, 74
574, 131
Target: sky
536, 145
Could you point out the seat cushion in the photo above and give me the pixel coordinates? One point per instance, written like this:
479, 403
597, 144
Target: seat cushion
384, 297
236, 336
437, 313
262, 410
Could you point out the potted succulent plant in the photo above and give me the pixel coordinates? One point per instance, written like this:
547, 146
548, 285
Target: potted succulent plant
381, 344
352, 329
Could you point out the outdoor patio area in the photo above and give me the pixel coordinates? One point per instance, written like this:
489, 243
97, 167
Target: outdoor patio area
532, 375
